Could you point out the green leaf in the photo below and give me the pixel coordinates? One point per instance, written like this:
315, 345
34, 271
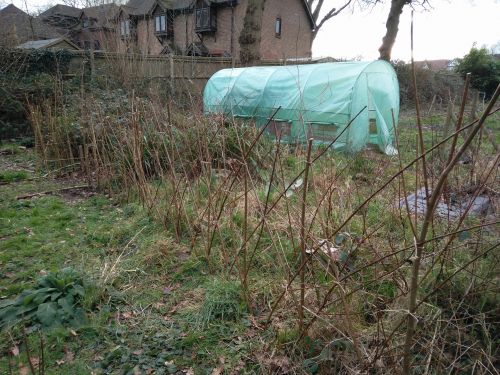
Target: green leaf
21, 310
55, 296
28, 299
43, 290
79, 318
7, 316
78, 290
339, 239
46, 313
41, 298
6, 303
66, 304
465, 235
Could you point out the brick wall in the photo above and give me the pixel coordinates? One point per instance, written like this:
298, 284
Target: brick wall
147, 43
229, 25
295, 40
107, 39
296, 33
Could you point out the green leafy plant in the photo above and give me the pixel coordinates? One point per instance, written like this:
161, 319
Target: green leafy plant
56, 300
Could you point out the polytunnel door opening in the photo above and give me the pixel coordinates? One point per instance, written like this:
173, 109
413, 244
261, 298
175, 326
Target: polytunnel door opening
380, 130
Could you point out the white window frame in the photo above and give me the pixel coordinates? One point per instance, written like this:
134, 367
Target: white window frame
161, 23
125, 27
278, 24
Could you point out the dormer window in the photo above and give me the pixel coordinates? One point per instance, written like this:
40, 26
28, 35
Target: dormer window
161, 24
85, 23
206, 19
125, 28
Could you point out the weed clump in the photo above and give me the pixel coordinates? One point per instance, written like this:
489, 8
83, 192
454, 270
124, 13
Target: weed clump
222, 303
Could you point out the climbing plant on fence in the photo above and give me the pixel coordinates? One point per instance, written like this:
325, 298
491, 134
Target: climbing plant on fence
26, 76
33, 62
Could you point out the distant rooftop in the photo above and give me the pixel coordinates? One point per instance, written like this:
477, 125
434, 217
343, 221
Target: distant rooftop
47, 43
18, 26
62, 10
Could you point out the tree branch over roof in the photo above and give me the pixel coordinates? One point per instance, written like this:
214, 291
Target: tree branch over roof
317, 6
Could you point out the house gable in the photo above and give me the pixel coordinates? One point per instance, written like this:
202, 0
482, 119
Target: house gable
163, 21
17, 27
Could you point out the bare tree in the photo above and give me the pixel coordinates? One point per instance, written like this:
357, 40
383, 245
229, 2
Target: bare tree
318, 8
251, 33
392, 24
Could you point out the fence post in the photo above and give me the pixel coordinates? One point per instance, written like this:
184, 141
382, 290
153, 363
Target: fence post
92, 65
172, 78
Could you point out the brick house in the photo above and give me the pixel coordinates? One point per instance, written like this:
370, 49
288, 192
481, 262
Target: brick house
212, 27
65, 19
97, 28
17, 27
182, 27
89, 28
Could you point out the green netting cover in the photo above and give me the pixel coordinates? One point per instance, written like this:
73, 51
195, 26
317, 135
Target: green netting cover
314, 100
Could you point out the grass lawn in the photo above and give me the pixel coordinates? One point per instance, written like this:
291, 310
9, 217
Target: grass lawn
147, 310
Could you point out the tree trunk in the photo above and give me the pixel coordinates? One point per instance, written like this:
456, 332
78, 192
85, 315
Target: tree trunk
392, 29
251, 33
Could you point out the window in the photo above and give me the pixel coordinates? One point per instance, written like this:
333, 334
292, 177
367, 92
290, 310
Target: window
97, 45
161, 24
86, 44
280, 129
125, 28
85, 23
277, 27
325, 132
206, 19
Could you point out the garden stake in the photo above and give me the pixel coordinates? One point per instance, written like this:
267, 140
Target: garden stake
303, 254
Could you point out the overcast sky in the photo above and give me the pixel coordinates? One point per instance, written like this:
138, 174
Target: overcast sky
447, 30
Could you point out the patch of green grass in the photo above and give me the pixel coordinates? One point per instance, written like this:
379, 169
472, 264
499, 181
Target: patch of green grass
48, 233
12, 176
221, 303
10, 149
128, 328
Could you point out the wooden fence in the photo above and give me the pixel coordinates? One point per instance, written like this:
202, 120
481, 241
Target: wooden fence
171, 68
140, 66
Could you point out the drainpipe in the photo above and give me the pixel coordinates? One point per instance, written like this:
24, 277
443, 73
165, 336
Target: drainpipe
232, 35
187, 31
147, 35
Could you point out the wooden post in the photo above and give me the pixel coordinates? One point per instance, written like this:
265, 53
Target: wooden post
446, 130
473, 110
82, 161
92, 65
172, 77
303, 253
86, 161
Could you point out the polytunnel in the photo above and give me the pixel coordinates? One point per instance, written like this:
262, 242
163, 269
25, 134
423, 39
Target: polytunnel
313, 101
